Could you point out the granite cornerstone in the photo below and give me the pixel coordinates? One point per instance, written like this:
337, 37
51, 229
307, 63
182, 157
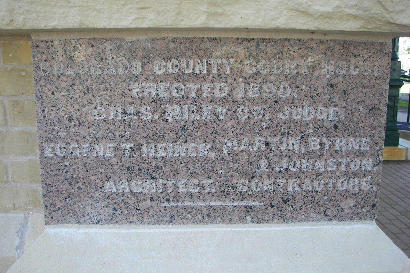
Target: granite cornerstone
210, 130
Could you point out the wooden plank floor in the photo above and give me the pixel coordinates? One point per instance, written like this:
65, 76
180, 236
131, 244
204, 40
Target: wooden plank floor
393, 215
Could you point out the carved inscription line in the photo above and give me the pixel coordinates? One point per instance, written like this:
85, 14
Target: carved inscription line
296, 145
208, 112
212, 90
121, 66
155, 186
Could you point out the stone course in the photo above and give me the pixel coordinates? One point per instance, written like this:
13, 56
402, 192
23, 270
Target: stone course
380, 17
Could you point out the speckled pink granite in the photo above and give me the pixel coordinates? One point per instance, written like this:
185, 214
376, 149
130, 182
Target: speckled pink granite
278, 130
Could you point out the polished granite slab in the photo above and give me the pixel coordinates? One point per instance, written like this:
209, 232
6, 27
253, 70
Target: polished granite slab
210, 130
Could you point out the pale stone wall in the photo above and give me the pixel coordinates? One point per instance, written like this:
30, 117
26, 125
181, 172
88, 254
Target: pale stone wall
319, 15
20, 189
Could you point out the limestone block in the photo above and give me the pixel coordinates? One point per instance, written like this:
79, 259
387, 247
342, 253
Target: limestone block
18, 231
16, 52
318, 248
3, 172
35, 227
22, 113
16, 82
18, 143
26, 171
324, 15
20, 199
9, 226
